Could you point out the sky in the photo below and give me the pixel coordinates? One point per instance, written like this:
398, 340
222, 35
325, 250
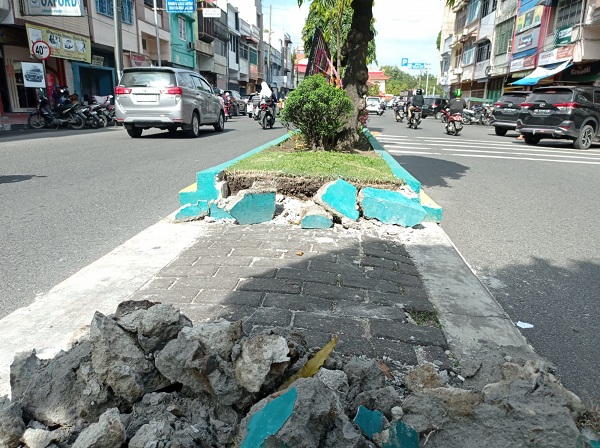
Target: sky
405, 28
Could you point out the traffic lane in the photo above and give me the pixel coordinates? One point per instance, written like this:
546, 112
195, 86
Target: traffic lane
71, 199
528, 229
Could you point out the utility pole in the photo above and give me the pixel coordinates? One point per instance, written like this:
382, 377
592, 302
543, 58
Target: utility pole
118, 39
269, 49
156, 32
427, 80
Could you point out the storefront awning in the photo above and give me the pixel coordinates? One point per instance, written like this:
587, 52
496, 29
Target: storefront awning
541, 73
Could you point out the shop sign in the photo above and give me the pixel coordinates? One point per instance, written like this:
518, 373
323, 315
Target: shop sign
557, 55
181, 6
64, 8
582, 72
138, 60
562, 36
517, 65
527, 41
213, 13
62, 45
97, 61
529, 16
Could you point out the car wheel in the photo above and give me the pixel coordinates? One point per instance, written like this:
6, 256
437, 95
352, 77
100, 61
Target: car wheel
194, 130
585, 139
134, 132
500, 131
531, 139
220, 125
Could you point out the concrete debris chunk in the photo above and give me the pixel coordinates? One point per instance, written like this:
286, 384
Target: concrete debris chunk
108, 432
12, 426
258, 355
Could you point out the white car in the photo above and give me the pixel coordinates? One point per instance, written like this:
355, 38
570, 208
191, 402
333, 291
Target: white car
374, 105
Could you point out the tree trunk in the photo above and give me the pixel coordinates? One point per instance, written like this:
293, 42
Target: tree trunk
356, 74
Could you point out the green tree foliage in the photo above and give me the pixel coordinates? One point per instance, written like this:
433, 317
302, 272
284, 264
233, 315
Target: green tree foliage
374, 90
319, 110
438, 41
401, 81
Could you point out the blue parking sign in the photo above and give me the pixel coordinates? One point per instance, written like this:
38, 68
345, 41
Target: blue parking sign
404, 62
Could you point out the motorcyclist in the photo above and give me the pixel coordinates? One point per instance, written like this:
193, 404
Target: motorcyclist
415, 101
269, 96
61, 97
457, 104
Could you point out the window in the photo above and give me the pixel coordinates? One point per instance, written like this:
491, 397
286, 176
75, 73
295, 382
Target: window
473, 10
488, 7
207, 87
105, 7
253, 56
468, 54
568, 12
244, 51
151, 3
457, 59
504, 34
185, 80
483, 51
584, 97
461, 20
182, 28
197, 82
597, 96
220, 48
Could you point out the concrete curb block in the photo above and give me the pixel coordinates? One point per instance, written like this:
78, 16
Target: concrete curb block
12, 127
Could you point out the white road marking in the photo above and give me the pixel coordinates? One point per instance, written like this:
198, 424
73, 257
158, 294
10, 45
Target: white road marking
526, 158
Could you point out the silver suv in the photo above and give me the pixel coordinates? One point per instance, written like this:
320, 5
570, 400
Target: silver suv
166, 98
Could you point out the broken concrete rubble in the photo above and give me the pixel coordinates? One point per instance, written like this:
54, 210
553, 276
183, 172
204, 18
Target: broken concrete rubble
146, 377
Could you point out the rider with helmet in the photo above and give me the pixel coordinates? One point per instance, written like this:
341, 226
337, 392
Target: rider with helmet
457, 104
416, 101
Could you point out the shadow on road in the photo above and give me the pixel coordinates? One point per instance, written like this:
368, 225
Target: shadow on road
432, 172
17, 178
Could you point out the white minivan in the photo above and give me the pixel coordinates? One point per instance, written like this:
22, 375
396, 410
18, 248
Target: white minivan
166, 98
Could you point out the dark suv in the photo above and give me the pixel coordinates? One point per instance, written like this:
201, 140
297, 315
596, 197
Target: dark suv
433, 106
506, 111
571, 113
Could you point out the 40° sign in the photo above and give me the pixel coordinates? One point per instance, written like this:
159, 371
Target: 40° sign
40, 50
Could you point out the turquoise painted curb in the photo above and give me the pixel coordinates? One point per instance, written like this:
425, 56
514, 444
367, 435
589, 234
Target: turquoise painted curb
341, 197
396, 168
205, 189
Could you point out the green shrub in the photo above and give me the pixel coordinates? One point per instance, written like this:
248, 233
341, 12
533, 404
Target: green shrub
319, 110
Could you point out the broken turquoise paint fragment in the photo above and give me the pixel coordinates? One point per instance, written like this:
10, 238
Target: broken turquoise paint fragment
270, 419
341, 196
192, 211
402, 436
218, 213
370, 422
316, 222
595, 443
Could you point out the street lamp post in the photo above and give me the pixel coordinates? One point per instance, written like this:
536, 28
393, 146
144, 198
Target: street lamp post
156, 32
118, 38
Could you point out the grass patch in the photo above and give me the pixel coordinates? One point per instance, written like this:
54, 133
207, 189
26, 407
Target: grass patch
318, 164
424, 317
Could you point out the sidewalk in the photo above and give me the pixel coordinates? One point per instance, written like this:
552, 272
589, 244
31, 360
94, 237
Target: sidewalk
14, 121
356, 283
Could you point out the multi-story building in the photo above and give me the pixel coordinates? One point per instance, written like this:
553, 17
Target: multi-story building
490, 46
223, 40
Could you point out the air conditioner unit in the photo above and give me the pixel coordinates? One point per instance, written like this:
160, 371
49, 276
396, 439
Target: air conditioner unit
191, 46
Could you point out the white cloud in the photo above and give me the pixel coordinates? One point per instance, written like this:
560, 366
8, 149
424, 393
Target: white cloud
405, 29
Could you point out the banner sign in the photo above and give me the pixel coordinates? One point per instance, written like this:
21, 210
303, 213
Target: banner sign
33, 74
529, 16
517, 65
63, 45
557, 55
212, 13
179, 6
527, 41
65, 8
562, 36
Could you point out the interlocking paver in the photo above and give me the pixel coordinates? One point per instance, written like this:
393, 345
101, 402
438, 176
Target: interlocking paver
319, 283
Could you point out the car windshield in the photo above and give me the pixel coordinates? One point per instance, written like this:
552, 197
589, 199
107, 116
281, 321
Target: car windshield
372, 101
516, 99
428, 101
148, 79
553, 96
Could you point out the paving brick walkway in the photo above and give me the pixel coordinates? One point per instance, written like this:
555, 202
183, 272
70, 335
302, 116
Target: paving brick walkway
320, 282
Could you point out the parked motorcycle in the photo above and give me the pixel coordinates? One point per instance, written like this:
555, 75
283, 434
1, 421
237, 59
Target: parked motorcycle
398, 112
64, 115
265, 116
106, 111
468, 116
91, 116
453, 122
415, 119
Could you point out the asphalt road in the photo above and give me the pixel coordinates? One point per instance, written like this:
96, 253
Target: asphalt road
526, 220
69, 197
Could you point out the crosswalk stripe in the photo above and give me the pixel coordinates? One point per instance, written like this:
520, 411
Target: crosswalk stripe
526, 158
397, 151
525, 153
